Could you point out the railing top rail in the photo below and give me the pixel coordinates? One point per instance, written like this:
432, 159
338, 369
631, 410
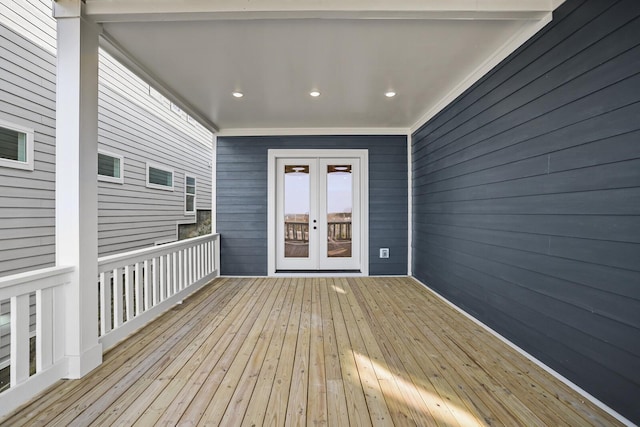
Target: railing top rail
31, 281
110, 262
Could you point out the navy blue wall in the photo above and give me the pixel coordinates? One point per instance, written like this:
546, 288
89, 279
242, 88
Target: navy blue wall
527, 199
241, 182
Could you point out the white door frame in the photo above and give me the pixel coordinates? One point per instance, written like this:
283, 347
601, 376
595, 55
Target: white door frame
273, 155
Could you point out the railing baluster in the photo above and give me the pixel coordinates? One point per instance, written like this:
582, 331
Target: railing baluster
154, 280
138, 289
198, 262
196, 255
118, 298
185, 268
189, 267
174, 268
180, 269
161, 282
204, 259
44, 329
147, 285
207, 257
128, 291
19, 339
169, 275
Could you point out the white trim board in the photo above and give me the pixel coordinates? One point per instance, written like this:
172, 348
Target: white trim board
272, 156
312, 131
29, 133
555, 374
410, 204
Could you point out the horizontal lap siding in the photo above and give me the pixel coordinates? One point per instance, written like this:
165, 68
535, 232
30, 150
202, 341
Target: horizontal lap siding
242, 198
27, 198
131, 215
131, 123
526, 199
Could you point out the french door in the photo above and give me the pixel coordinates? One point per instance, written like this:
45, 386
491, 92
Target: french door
318, 213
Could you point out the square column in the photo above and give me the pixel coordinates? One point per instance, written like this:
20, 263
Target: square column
76, 182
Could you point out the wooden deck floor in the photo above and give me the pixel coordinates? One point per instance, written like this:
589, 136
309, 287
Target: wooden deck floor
357, 351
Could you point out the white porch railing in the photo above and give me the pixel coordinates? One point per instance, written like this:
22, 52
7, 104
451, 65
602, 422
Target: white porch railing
134, 288
137, 286
48, 285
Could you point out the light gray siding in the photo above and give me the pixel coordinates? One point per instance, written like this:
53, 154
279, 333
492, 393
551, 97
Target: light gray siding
130, 215
32, 19
27, 198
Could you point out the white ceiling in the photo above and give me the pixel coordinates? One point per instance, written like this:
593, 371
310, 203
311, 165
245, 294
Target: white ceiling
277, 57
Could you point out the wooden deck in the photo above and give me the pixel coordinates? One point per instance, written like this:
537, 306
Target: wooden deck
357, 351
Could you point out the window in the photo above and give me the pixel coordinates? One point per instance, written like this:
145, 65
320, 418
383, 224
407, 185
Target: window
189, 194
110, 167
159, 177
16, 146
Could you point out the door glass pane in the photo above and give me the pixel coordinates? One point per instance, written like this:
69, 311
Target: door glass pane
296, 211
339, 207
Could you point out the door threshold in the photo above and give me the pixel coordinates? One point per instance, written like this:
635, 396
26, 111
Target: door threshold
317, 273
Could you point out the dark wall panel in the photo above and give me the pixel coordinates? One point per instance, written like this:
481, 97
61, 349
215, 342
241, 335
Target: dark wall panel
242, 198
526, 199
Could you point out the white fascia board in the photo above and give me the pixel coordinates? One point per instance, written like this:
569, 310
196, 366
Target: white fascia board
161, 10
120, 54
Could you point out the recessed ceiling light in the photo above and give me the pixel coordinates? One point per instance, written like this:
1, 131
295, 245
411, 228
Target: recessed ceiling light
390, 94
238, 94
314, 93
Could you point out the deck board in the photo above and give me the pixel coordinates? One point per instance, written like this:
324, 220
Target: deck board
313, 351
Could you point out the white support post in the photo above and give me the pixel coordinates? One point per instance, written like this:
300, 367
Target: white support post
76, 181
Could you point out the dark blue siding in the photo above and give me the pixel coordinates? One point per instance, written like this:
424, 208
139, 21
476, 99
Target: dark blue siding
526, 199
242, 198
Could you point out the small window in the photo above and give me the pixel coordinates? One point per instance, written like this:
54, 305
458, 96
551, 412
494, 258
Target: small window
110, 167
159, 177
189, 195
16, 146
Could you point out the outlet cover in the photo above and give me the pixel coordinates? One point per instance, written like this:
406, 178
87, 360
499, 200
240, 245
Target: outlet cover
384, 252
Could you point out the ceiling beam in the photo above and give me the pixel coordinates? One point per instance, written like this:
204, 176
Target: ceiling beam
197, 10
